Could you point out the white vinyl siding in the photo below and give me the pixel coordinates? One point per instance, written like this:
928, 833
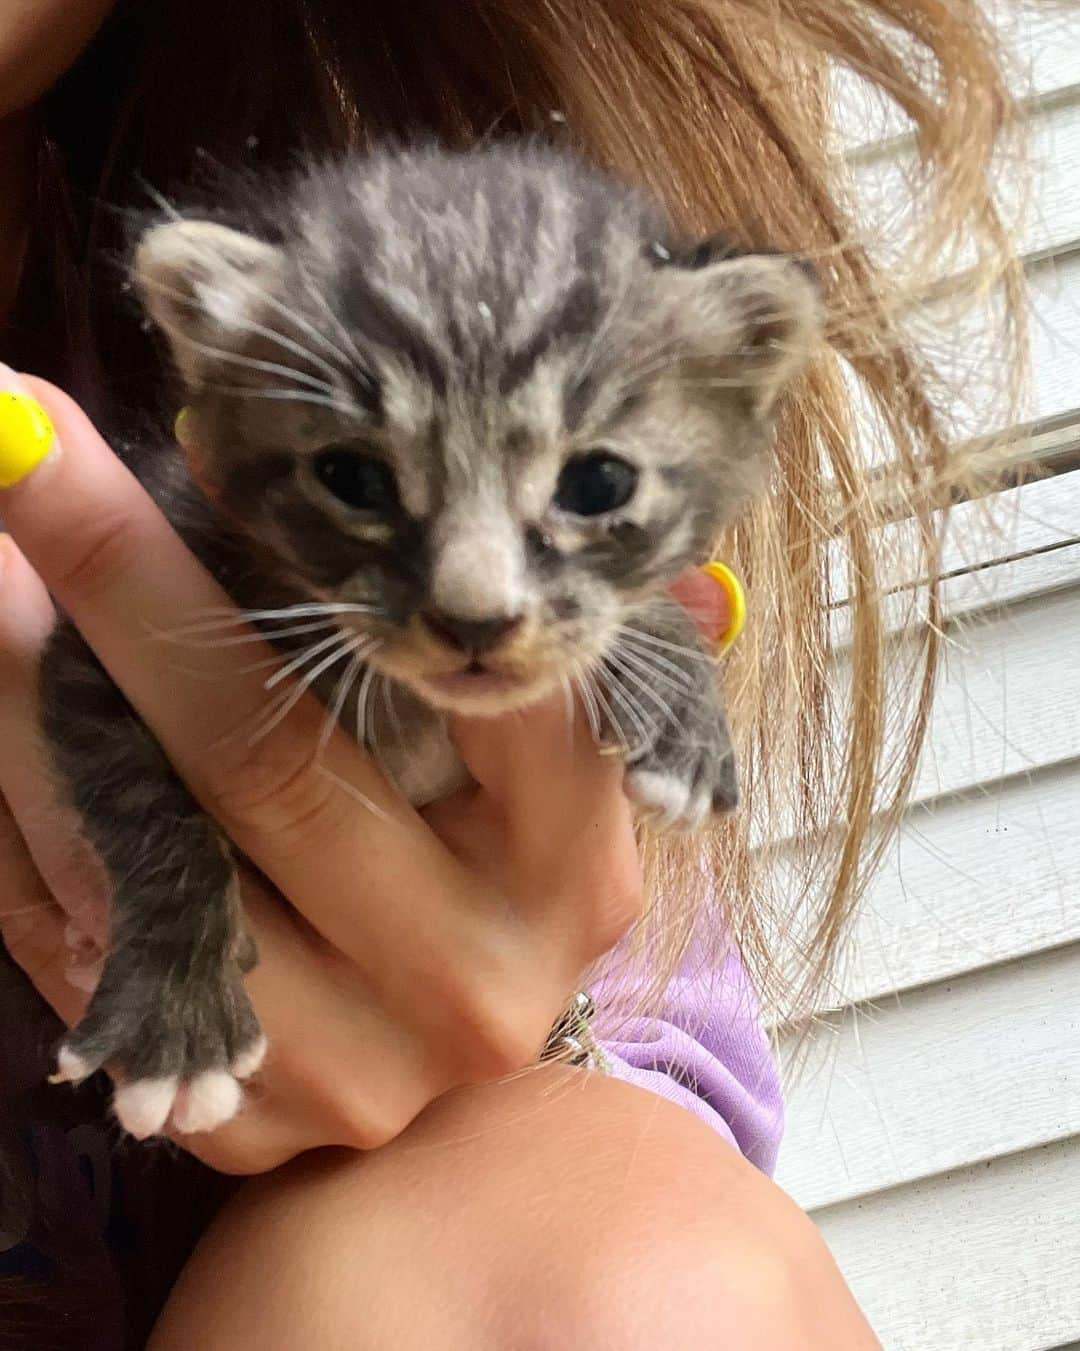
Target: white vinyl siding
934, 1132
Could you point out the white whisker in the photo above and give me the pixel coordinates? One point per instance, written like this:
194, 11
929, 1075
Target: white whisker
643, 724
353, 792
653, 658
661, 703
568, 706
249, 363
588, 700
160, 201
341, 693
351, 354
312, 650
300, 322
640, 659
400, 739
262, 636
663, 643
260, 330
363, 709
315, 397
288, 700
294, 317
613, 722
224, 616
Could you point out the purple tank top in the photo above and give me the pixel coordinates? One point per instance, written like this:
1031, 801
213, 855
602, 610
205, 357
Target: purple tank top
98, 1217
709, 1053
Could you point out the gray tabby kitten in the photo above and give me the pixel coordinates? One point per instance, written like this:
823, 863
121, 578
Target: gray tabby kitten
460, 420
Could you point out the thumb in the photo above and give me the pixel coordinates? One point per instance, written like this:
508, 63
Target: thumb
536, 762
555, 793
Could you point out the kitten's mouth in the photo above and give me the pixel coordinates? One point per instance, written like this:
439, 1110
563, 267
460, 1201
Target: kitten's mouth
476, 679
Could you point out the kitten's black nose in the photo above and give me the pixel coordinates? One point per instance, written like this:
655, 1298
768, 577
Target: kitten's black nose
472, 635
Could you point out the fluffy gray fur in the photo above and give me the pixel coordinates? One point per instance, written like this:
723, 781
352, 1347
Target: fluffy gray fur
479, 411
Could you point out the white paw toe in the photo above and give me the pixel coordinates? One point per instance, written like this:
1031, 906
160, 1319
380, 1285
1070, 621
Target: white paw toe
142, 1106
70, 1068
699, 810
663, 798
250, 1060
209, 1100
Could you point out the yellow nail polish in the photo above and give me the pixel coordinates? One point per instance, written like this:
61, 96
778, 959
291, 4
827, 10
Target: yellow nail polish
721, 573
182, 426
26, 436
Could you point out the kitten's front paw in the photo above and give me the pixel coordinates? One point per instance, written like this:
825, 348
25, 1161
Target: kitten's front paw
684, 794
180, 1054
664, 710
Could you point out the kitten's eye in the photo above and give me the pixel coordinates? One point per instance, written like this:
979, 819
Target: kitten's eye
360, 481
592, 484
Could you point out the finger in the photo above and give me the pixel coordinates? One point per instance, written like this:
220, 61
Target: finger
568, 823
113, 561
34, 928
26, 782
708, 601
541, 766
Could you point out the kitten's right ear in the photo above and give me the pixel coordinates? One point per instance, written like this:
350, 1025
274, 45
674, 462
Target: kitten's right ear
750, 320
206, 286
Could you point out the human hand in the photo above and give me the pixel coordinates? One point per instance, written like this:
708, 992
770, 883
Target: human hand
473, 925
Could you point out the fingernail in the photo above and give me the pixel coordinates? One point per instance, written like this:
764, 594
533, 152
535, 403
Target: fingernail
182, 427
721, 573
27, 436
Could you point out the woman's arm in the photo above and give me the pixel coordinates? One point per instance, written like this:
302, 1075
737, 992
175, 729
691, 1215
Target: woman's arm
560, 1210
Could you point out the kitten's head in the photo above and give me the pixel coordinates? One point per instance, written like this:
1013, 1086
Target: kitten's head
484, 395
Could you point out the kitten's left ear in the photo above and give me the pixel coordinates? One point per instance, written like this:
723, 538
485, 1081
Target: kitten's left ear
205, 286
751, 321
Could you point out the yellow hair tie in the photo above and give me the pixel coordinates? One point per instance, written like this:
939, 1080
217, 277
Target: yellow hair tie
721, 573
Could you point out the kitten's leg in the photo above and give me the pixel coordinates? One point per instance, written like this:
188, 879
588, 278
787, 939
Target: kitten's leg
661, 694
170, 1015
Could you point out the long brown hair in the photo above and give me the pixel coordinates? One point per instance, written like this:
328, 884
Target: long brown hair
721, 108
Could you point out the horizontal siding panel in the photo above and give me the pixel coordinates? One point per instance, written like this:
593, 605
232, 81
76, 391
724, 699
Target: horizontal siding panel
985, 1259
934, 1122
1022, 578
970, 361
1021, 544
963, 337
1042, 42
937, 1079
1006, 703
1041, 203
1043, 514
968, 883
979, 589
1004, 706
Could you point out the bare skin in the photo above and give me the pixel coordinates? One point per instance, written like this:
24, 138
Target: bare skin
557, 1210
551, 1209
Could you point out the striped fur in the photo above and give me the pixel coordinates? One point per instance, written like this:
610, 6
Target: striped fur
471, 325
